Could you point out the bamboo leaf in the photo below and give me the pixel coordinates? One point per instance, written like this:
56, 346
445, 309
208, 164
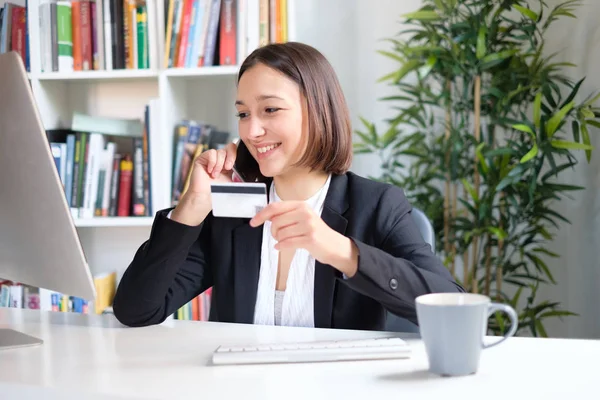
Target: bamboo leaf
575, 129
423, 16
573, 93
593, 123
387, 77
545, 234
532, 15
546, 251
537, 108
499, 233
362, 150
500, 152
585, 135
530, 154
558, 313
540, 327
554, 171
366, 138
524, 128
508, 180
419, 50
372, 131
587, 113
394, 56
557, 118
496, 58
426, 69
499, 321
480, 51
406, 68
517, 171
390, 135
592, 100
471, 190
562, 144
482, 161
516, 297
562, 187
548, 95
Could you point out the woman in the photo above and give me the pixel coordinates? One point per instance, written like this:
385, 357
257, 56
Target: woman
330, 250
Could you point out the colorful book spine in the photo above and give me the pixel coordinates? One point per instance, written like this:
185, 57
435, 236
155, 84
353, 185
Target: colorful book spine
126, 179
87, 61
143, 61
64, 36
18, 34
211, 35
227, 49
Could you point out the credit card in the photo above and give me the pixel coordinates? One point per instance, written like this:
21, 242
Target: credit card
238, 200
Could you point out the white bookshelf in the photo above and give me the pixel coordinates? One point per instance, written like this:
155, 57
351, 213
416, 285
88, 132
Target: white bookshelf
198, 72
107, 222
97, 75
205, 94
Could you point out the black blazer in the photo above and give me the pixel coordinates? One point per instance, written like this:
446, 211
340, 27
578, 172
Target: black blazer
395, 265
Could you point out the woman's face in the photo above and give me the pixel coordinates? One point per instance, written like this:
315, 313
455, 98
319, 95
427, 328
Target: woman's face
272, 120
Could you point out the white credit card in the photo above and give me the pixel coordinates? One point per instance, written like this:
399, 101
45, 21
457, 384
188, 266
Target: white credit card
238, 199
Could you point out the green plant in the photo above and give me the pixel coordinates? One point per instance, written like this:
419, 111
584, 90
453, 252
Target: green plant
486, 122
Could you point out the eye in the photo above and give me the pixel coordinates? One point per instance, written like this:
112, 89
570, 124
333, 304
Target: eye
242, 115
271, 110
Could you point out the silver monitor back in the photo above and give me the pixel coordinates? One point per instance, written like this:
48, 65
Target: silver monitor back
39, 244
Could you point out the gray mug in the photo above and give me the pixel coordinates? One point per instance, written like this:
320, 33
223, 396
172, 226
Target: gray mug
453, 326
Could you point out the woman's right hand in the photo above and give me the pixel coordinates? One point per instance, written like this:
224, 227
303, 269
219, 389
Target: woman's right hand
211, 166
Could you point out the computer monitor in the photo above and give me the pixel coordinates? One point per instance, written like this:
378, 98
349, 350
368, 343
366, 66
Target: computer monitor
39, 245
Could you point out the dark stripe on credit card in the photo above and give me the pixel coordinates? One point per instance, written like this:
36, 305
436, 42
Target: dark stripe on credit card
238, 189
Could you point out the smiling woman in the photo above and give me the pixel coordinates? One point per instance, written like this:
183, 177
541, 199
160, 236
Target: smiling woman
331, 249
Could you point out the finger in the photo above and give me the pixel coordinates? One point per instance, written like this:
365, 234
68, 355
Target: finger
284, 220
290, 231
211, 156
291, 243
221, 154
231, 150
272, 210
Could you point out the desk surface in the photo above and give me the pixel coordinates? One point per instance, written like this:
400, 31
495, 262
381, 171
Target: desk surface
95, 357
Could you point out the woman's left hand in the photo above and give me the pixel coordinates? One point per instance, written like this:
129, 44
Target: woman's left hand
295, 225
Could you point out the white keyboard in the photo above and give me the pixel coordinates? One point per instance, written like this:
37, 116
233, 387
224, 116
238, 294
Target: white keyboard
338, 350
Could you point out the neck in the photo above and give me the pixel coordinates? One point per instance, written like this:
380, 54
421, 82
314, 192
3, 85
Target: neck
299, 185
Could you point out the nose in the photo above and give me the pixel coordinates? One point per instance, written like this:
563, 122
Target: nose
255, 128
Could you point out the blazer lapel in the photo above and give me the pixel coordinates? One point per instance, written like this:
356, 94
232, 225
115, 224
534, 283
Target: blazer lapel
247, 242
325, 276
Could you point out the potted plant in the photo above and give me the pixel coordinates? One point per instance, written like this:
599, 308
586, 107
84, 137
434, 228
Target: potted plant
486, 123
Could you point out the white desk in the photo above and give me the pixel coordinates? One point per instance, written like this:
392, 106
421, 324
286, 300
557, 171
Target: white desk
95, 357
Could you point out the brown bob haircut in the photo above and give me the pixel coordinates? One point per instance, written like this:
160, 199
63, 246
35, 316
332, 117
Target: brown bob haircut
329, 146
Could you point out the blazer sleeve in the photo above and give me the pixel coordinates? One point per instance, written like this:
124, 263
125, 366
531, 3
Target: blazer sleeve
402, 265
167, 271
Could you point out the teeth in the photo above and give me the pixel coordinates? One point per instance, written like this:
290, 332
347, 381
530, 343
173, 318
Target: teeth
267, 148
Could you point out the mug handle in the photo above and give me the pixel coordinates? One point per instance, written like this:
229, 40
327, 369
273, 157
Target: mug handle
514, 321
